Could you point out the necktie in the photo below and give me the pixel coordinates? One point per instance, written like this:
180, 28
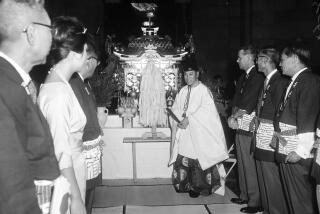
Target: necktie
186, 103
89, 85
263, 97
285, 97
265, 84
33, 91
288, 90
87, 88
243, 84
256, 121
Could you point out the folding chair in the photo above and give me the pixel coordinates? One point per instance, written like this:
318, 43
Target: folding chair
232, 159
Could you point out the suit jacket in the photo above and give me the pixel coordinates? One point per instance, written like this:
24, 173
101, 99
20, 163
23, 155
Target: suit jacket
301, 109
87, 102
273, 95
247, 98
26, 146
278, 84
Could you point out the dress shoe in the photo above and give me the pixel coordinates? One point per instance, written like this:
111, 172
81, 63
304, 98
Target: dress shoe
251, 209
238, 201
194, 194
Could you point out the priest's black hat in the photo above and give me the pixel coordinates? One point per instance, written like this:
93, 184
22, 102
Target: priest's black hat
189, 63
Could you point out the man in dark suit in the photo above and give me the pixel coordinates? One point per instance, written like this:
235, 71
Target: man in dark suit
243, 111
92, 131
272, 196
294, 129
26, 147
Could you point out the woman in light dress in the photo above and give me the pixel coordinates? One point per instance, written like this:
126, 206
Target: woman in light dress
62, 110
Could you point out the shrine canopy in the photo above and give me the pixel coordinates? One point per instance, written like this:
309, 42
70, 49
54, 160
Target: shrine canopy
148, 47
150, 70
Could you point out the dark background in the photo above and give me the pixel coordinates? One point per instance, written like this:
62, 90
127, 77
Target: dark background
219, 27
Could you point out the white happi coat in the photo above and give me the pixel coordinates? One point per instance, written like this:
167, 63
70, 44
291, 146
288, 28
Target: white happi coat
203, 139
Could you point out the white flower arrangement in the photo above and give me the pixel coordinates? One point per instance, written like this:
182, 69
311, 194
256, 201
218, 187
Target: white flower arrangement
133, 78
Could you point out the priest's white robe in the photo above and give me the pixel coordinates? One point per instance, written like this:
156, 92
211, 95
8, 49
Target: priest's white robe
203, 139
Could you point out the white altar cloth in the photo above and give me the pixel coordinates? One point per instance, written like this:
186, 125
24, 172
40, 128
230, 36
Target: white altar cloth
151, 158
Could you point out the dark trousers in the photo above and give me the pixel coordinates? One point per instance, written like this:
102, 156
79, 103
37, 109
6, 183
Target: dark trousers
91, 186
271, 190
248, 181
89, 200
298, 187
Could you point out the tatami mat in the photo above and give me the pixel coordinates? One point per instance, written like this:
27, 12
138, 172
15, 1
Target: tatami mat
226, 208
155, 195
186, 209
182, 209
109, 210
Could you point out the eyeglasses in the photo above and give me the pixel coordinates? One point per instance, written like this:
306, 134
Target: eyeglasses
95, 58
41, 24
262, 56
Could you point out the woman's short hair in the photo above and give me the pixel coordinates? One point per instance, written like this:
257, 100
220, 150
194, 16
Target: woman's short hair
68, 34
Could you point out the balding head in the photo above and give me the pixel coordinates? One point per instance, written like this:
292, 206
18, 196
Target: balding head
15, 17
25, 32
31, 2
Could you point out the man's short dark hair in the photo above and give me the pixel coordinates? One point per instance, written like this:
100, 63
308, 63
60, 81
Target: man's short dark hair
92, 45
272, 53
249, 49
301, 50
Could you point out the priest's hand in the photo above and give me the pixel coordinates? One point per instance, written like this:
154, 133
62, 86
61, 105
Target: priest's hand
292, 157
184, 123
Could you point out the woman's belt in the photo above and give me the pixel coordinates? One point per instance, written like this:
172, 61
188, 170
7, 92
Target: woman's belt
88, 145
44, 192
92, 151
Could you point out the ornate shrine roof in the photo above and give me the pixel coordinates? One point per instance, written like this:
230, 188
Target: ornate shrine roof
162, 45
150, 42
